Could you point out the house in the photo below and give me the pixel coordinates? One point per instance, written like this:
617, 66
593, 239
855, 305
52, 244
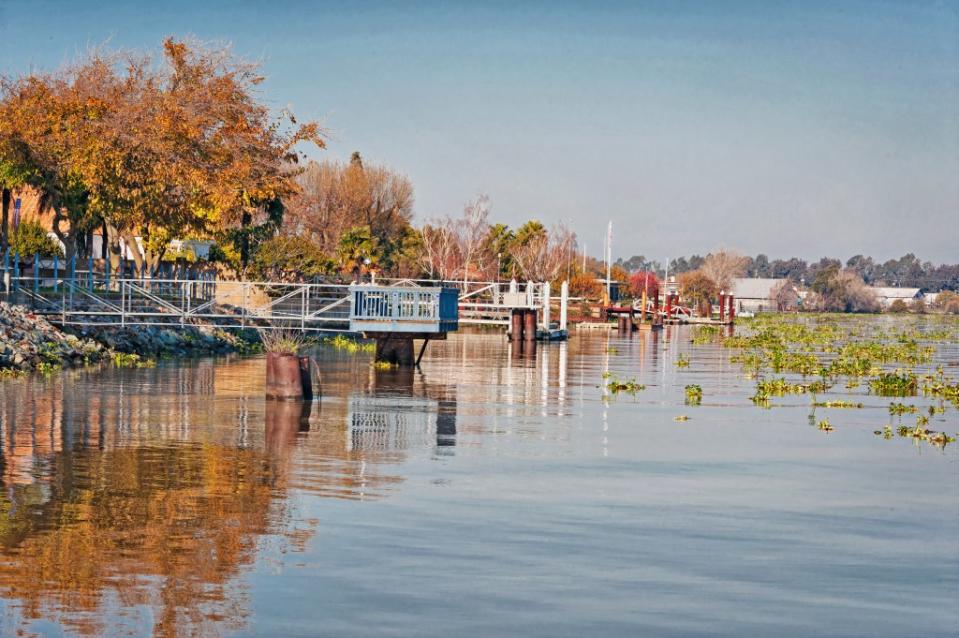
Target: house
757, 294
887, 295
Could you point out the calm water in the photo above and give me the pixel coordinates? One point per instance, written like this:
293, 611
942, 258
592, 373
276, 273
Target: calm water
487, 495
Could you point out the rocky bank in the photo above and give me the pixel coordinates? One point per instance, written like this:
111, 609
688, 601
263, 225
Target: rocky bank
29, 342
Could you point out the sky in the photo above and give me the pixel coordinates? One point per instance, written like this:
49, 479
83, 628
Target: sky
799, 128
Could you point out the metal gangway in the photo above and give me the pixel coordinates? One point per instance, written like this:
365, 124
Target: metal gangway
397, 305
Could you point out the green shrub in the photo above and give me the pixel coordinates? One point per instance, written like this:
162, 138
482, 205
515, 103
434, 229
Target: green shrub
31, 238
289, 258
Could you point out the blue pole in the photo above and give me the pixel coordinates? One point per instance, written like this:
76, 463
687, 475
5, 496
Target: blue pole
16, 271
123, 266
73, 270
56, 268
36, 273
6, 269
90, 273
106, 273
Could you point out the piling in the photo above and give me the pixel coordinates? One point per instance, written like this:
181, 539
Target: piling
284, 378
669, 305
516, 324
529, 325
623, 323
732, 308
722, 306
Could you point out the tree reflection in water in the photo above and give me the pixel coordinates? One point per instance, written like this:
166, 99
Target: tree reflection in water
135, 498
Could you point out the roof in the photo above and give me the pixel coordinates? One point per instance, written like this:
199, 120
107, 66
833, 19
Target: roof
754, 288
893, 292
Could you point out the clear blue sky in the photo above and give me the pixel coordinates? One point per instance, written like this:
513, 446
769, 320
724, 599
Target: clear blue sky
794, 128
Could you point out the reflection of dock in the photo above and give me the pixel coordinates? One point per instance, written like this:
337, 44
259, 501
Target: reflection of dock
399, 423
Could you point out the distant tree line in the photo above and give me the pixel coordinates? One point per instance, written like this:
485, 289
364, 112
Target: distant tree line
907, 271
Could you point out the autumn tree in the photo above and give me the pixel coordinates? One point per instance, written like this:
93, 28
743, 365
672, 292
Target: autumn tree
698, 289
335, 198
644, 281
152, 149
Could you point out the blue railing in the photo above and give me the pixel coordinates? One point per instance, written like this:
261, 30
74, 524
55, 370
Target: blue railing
403, 309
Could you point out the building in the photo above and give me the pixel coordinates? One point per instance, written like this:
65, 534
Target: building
887, 295
758, 294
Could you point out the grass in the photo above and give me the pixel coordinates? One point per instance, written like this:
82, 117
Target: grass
288, 342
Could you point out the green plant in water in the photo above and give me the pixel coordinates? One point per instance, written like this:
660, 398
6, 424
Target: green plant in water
694, 394
682, 361
836, 404
681, 417
342, 342
630, 386
895, 384
131, 360
899, 409
825, 426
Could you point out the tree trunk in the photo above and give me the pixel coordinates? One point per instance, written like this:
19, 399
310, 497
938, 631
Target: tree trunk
114, 252
67, 239
134, 248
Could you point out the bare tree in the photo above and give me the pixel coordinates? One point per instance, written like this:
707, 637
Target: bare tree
439, 255
543, 255
723, 266
472, 232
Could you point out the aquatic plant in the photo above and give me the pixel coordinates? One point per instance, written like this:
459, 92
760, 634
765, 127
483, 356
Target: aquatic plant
901, 408
825, 426
630, 386
682, 361
694, 394
131, 360
836, 404
895, 384
342, 342
681, 417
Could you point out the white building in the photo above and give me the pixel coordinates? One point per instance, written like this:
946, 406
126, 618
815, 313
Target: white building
887, 295
757, 294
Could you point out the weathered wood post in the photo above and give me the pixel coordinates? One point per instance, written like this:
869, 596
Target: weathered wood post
669, 305
622, 322
732, 308
722, 306
642, 311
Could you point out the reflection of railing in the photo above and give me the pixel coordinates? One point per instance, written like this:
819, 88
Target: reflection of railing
399, 309
391, 423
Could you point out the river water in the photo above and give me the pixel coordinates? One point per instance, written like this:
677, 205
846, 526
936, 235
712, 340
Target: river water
491, 493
